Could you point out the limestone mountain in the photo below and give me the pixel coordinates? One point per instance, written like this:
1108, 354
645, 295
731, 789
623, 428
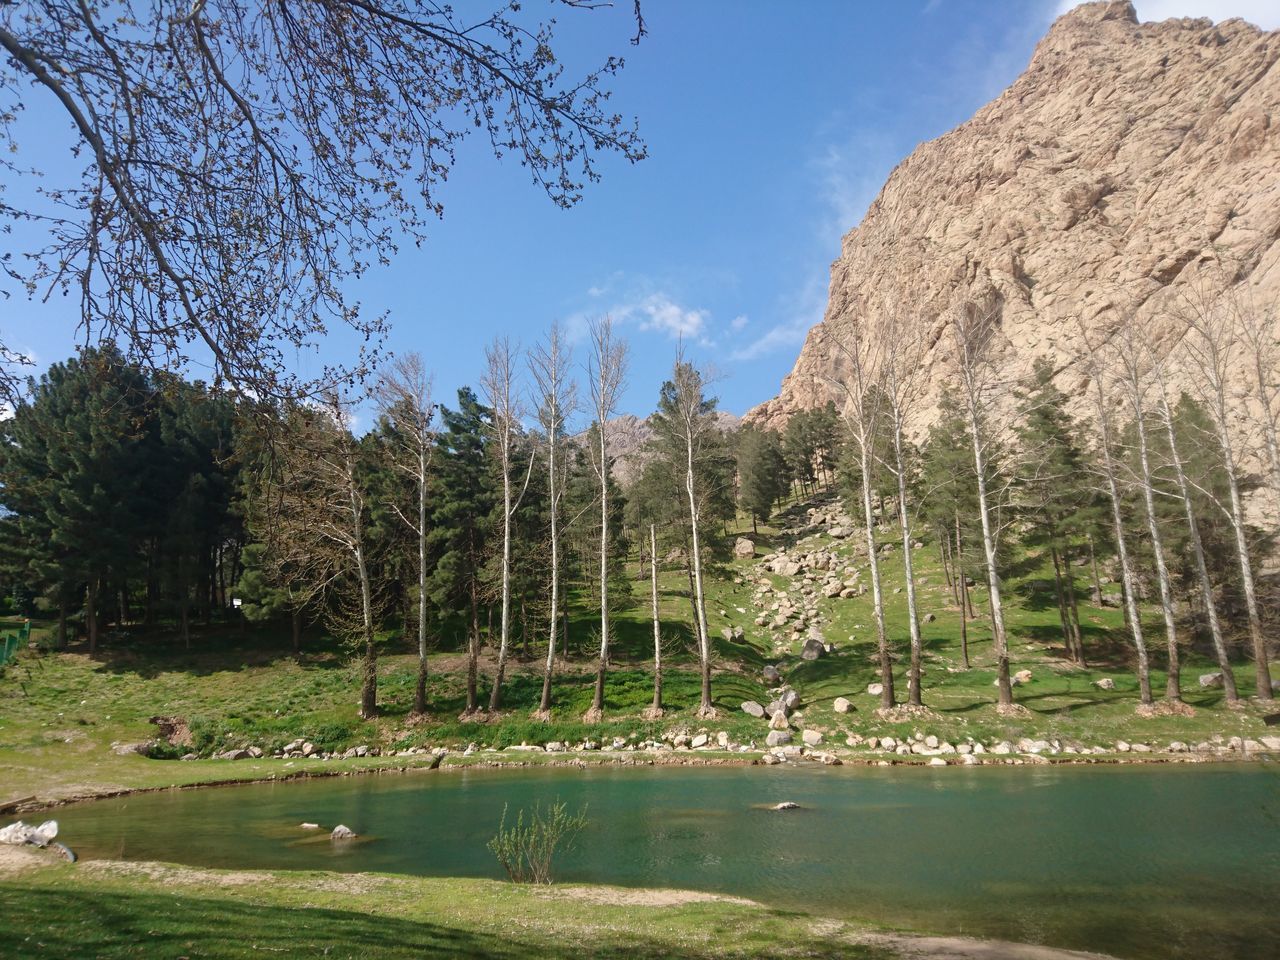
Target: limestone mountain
1129, 163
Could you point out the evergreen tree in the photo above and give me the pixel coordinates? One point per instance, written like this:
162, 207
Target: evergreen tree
762, 474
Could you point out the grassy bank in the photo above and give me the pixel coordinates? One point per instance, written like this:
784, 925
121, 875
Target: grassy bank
111, 910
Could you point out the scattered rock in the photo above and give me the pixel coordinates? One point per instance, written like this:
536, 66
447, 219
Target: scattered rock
771, 674
779, 721
875, 689
770, 759
751, 708
1106, 683
309, 826
1211, 680
341, 832
700, 740
744, 548
142, 748
778, 738
841, 705
811, 738
1021, 677
937, 762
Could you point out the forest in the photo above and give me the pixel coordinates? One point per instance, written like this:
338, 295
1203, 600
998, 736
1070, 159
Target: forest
133, 497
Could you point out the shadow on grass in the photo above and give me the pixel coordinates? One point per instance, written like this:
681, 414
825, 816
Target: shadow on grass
45, 922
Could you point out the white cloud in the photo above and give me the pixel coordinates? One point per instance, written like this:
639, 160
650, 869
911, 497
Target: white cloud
738, 322
638, 302
660, 313
1262, 13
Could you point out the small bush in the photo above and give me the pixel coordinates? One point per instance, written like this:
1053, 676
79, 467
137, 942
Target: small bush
526, 851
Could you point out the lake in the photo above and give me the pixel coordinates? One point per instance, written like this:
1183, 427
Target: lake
1138, 861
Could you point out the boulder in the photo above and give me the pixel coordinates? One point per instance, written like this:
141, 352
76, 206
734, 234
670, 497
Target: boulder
309, 826
751, 708
142, 748
778, 738
789, 698
930, 617
786, 805
811, 738
770, 674
770, 759
778, 721
1270, 743
875, 689
937, 762
744, 548
841, 705
1106, 683
341, 832
700, 740
813, 649
1021, 677
1211, 680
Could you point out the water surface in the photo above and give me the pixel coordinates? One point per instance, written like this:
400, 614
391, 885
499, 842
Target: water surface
1139, 861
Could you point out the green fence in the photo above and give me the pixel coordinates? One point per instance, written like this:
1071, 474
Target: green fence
13, 638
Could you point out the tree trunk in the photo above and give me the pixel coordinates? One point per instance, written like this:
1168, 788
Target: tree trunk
1073, 608
1197, 552
656, 709
295, 622
913, 619
597, 700
62, 621
1262, 684
887, 698
1126, 566
1063, 616
1095, 589
495, 696
1000, 640
1173, 685
705, 708
420, 686
473, 652
91, 615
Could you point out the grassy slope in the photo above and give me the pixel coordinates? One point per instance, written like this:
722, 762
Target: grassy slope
60, 713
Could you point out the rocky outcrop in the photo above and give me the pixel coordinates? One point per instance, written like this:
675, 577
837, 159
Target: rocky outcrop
1130, 162
629, 439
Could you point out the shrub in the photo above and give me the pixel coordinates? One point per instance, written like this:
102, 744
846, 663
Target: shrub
526, 851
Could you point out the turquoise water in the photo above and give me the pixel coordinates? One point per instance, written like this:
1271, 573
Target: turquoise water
1139, 861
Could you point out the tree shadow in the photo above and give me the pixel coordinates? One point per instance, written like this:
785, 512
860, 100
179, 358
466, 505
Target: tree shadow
43, 921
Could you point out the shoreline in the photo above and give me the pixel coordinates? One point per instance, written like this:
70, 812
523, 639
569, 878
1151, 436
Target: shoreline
496, 761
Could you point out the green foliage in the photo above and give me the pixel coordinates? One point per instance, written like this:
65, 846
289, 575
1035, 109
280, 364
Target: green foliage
526, 852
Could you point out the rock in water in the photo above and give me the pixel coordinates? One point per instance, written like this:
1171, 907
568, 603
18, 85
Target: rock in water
786, 805
1124, 159
341, 832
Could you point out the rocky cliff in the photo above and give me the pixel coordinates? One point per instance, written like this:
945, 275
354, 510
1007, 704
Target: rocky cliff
1127, 163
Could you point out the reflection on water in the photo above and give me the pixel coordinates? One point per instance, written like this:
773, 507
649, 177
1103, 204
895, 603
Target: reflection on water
1141, 862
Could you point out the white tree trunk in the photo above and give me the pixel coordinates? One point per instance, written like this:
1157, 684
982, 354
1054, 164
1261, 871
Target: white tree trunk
914, 696
656, 709
1197, 551
704, 643
877, 595
1000, 639
1173, 685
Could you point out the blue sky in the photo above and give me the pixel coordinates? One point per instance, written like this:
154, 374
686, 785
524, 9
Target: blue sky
770, 127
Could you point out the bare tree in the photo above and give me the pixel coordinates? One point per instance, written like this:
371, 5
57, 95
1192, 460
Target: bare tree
321, 525
502, 394
1100, 369
902, 379
556, 401
404, 396
1160, 380
973, 331
1214, 353
1260, 335
241, 159
1131, 351
606, 373
863, 414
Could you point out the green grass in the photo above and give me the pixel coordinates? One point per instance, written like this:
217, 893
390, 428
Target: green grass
112, 911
